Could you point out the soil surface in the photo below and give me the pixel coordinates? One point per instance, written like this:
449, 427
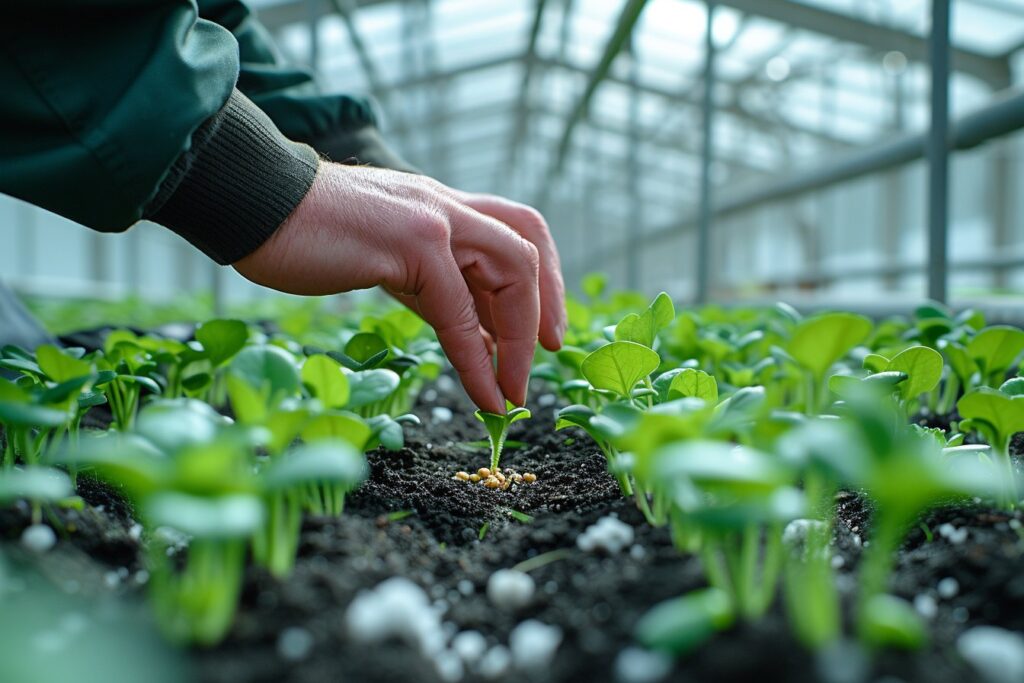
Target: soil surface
595, 599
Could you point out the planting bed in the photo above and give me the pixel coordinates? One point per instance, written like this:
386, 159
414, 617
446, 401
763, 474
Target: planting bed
963, 565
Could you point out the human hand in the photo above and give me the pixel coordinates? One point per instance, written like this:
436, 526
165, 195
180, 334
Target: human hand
460, 267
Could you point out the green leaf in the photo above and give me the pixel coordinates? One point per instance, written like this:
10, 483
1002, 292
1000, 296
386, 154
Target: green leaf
923, 367
345, 426
643, 328
681, 625
247, 403
284, 427
326, 381
819, 342
223, 517
174, 424
887, 621
874, 362
39, 484
723, 467
1013, 387
1005, 414
618, 366
995, 348
269, 366
16, 409
370, 386
59, 366
329, 460
366, 346
959, 360
222, 339
386, 432
497, 427
695, 384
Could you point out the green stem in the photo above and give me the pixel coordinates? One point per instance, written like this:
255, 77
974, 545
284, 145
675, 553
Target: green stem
877, 562
1011, 495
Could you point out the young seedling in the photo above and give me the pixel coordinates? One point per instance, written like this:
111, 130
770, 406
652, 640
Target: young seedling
740, 499
324, 471
497, 428
28, 424
997, 415
817, 344
38, 485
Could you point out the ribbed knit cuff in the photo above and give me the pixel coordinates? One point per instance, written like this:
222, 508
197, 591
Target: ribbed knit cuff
362, 145
238, 182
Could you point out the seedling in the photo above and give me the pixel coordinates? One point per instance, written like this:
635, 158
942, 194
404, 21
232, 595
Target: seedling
497, 428
817, 344
739, 499
997, 415
314, 476
38, 485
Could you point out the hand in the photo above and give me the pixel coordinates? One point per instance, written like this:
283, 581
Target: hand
459, 267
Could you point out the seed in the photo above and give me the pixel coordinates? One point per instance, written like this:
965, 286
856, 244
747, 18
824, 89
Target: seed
499, 476
483, 472
529, 477
517, 478
505, 484
474, 478
462, 476
492, 482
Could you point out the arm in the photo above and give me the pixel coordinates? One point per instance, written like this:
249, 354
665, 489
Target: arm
118, 110
108, 120
341, 127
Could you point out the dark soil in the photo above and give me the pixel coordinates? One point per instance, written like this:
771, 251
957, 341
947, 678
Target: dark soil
595, 599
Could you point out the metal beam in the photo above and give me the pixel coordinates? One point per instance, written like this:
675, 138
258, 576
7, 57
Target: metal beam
684, 145
938, 154
623, 29
703, 252
1005, 115
993, 70
529, 60
346, 10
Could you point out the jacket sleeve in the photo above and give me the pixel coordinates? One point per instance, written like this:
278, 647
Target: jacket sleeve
343, 128
112, 109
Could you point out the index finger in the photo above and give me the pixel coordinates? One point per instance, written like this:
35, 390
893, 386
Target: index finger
445, 303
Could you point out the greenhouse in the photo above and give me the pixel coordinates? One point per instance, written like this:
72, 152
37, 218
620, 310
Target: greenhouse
546, 340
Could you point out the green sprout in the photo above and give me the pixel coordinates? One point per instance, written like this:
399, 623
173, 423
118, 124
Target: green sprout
497, 428
289, 483
997, 415
817, 344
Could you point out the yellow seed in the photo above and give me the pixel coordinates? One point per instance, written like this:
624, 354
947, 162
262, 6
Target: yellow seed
492, 482
505, 484
474, 478
462, 476
517, 478
483, 472
499, 476
529, 477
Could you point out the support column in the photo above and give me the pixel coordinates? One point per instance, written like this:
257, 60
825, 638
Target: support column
707, 149
938, 154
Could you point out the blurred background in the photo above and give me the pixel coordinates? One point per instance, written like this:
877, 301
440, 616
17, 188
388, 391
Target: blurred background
862, 152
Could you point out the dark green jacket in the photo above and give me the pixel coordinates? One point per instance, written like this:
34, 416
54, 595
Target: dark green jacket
115, 110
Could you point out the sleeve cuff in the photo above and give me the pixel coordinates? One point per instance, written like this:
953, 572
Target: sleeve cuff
361, 145
237, 183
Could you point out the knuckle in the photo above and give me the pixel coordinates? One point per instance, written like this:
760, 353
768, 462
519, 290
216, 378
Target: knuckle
429, 225
532, 219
